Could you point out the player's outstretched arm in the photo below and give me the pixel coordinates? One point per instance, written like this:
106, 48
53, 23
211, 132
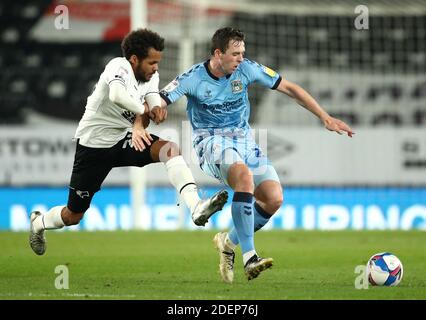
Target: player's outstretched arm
303, 98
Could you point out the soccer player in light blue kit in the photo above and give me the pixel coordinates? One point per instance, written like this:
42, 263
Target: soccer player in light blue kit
219, 109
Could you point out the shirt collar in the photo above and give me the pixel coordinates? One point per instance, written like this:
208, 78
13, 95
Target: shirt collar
206, 65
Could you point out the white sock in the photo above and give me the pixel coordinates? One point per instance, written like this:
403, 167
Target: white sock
248, 255
190, 196
181, 178
50, 220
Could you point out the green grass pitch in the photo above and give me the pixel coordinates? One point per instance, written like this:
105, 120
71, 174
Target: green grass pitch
184, 265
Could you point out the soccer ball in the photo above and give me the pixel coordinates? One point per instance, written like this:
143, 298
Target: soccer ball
384, 269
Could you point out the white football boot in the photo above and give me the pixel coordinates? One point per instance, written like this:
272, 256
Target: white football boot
226, 256
207, 207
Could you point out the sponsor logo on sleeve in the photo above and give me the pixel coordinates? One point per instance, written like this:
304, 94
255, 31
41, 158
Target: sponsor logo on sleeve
83, 194
269, 71
171, 86
121, 74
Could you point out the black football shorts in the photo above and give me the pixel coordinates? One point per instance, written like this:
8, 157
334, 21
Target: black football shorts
92, 165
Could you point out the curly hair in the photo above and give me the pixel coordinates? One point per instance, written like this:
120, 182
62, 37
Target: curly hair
139, 41
221, 38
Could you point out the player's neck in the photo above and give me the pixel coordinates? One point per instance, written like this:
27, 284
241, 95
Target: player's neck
215, 69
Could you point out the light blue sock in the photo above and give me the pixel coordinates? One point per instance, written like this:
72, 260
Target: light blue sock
261, 217
242, 215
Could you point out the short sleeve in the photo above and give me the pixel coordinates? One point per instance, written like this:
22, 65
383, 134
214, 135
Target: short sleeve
117, 70
177, 88
259, 73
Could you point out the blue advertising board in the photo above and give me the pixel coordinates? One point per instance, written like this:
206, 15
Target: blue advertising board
303, 208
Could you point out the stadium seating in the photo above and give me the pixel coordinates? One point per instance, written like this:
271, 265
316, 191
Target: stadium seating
55, 78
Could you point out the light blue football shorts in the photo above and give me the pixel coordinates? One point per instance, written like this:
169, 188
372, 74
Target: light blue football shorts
216, 154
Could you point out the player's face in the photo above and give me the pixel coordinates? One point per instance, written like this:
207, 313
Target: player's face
145, 69
233, 56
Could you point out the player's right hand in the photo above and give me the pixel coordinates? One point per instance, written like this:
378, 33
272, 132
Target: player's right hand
337, 125
158, 114
140, 138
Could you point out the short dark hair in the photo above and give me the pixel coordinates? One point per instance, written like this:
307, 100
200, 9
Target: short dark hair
221, 38
139, 41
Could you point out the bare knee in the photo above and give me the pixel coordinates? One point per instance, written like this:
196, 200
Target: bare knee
240, 178
270, 205
168, 151
269, 195
172, 150
275, 204
71, 218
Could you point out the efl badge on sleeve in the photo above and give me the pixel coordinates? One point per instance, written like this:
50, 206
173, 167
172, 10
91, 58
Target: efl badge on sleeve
121, 73
171, 86
269, 71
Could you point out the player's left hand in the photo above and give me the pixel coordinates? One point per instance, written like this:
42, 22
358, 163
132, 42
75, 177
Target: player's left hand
338, 126
158, 114
140, 137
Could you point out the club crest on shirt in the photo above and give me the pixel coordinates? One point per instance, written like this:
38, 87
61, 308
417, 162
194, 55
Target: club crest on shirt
237, 86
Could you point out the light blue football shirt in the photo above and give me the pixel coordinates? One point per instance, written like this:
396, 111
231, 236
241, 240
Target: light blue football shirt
219, 103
